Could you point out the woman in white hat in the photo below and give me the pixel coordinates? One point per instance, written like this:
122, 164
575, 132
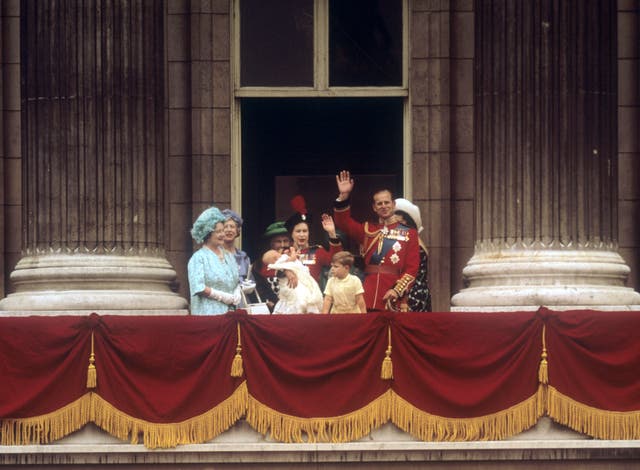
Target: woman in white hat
419, 299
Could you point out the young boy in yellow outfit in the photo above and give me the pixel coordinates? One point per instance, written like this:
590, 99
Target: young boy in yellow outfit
344, 292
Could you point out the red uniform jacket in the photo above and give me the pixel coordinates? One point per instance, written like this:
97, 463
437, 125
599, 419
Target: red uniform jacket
316, 257
391, 254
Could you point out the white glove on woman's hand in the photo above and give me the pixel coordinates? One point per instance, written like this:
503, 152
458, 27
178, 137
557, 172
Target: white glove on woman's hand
247, 286
221, 296
237, 296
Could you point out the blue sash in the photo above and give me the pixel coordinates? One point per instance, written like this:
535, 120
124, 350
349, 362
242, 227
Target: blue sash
387, 243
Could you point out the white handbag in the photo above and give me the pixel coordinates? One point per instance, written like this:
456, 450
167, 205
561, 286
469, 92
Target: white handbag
258, 308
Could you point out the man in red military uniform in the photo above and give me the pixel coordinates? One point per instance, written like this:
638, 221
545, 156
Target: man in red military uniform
390, 250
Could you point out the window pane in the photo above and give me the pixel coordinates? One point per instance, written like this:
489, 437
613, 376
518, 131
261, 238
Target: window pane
365, 42
276, 43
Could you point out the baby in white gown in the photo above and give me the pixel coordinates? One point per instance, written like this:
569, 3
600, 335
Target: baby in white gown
306, 296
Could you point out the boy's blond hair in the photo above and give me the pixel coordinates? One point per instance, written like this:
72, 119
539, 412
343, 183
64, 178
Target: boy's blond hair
344, 258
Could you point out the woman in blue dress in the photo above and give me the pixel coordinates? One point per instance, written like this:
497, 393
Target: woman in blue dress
213, 271
232, 227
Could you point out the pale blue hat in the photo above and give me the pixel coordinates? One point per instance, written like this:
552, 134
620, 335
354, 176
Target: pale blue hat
230, 214
205, 223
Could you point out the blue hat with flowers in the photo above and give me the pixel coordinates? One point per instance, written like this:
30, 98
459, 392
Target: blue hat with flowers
205, 223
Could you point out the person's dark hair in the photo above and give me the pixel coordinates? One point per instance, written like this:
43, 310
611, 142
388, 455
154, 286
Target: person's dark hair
408, 219
300, 213
382, 190
294, 220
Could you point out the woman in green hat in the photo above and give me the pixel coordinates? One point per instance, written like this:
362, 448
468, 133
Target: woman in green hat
276, 238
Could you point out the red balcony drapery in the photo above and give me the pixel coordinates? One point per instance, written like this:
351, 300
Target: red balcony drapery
447, 376
467, 375
594, 371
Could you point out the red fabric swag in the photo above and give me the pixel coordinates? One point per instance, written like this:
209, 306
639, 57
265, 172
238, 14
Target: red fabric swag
314, 365
43, 363
594, 357
464, 365
454, 375
166, 369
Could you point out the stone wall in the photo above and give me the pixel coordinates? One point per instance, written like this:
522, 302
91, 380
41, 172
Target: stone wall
441, 89
198, 137
629, 136
10, 151
199, 119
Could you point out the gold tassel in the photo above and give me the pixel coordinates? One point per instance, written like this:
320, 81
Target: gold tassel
236, 365
387, 366
92, 375
543, 371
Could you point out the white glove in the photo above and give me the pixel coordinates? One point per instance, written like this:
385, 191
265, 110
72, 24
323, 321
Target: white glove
237, 295
223, 297
247, 286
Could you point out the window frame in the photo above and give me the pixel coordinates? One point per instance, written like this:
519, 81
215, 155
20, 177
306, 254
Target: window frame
321, 89
321, 86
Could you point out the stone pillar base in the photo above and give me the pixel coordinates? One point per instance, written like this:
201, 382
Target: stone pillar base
560, 279
83, 283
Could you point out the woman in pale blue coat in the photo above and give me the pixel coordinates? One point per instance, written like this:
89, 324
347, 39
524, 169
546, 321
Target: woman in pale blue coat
213, 271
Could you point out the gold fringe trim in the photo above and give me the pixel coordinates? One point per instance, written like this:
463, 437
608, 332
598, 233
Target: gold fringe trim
93, 408
343, 428
500, 425
49, 427
386, 373
236, 365
194, 430
591, 421
543, 397
543, 371
92, 375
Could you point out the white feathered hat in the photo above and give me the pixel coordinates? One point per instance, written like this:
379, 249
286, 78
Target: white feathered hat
411, 210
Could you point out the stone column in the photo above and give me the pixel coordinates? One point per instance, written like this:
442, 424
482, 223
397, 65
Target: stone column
93, 160
545, 97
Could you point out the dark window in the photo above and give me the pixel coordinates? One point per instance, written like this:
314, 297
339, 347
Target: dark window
365, 43
276, 43
297, 146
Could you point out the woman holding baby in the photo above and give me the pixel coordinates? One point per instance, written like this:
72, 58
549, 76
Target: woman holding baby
303, 262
